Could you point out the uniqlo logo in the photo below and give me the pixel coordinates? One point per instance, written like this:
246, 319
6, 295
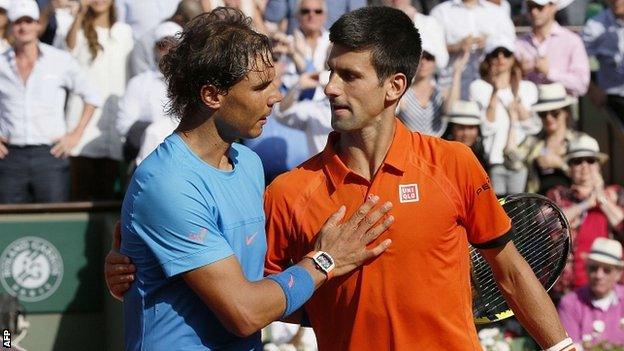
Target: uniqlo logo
408, 193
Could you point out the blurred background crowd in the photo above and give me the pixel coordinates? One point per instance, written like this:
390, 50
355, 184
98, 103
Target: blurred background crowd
82, 103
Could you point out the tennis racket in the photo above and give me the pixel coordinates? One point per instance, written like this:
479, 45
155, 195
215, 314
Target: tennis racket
541, 234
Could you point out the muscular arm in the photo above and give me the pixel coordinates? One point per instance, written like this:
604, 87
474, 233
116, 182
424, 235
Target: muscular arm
243, 307
525, 295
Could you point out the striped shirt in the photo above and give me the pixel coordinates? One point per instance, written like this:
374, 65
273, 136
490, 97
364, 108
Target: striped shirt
424, 119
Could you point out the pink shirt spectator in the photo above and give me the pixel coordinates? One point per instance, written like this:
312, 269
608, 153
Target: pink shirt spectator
568, 62
579, 316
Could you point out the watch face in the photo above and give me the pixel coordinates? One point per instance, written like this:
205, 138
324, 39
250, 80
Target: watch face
324, 261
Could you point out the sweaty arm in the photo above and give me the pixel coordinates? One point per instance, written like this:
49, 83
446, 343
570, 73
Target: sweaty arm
525, 295
243, 307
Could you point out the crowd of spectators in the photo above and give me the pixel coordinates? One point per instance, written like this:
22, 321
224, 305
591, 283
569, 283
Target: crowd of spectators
83, 102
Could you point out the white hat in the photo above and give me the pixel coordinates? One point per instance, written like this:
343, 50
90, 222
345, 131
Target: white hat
465, 113
166, 29
5, 4
551, 97
607, 251
585, 146
561, 4
23, 8
499, 41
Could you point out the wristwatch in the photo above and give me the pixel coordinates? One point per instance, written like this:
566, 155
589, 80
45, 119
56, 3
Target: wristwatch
323, 262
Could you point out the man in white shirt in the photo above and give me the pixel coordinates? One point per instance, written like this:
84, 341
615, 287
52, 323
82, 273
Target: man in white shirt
145, 100
467, 24
142, 15
142, 57
34, 139
308, 46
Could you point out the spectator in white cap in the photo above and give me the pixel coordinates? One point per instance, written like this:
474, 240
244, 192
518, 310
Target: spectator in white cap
594, 313
145, 101
142, 15
603, 36
464, 121
506, 102
142, 56
102, 46
545, 152
34, 137
550, 53
431, 31
424, 104
4, 25
468, 24
594, 210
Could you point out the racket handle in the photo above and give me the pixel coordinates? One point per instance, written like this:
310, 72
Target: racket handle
564, 345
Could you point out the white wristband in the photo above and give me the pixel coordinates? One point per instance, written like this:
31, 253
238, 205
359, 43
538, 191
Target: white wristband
563, 345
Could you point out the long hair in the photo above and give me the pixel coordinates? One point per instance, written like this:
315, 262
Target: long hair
217, 48
89, 29
516, 73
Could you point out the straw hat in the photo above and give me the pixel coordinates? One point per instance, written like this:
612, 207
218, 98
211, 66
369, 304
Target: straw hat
551, 97
606, 251
585, 146
465, 113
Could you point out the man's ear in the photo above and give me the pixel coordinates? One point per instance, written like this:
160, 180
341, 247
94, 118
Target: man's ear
397, 84
210, 97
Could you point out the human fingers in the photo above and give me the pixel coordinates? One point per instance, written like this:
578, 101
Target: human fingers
362, 211
116, 244
370, 219
334, 219
3, 151
117, 291
120, 279
114, 257
376, 231
377, 250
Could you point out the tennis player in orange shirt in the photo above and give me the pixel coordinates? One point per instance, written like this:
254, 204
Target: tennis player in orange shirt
417, 295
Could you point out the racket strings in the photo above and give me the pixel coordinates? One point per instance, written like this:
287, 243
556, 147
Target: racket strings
541, 235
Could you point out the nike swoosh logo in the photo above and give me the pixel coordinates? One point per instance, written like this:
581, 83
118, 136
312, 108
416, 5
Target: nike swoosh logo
291, 281
250, 238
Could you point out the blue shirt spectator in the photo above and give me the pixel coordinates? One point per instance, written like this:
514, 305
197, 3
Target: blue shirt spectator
277, 10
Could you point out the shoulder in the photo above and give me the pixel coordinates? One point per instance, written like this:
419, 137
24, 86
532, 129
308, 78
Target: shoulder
598, 23
527, 86
54, 53
299, 181
439, 152
441, 8
246, 154
575, 297
121, 30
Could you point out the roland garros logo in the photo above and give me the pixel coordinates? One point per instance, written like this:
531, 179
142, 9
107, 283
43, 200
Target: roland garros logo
32, 269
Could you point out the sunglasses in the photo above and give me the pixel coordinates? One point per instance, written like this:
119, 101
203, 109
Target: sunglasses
532, 5
594, 268
554, 113
427, 56
499, 51
580, 160
306, 11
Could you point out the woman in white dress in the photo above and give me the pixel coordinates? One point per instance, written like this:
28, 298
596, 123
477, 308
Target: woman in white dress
102, 46
506, 101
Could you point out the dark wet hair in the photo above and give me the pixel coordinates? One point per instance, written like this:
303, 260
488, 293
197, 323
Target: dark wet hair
388, 33
217, 48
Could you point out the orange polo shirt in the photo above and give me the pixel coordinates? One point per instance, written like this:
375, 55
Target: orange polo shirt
416, 295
